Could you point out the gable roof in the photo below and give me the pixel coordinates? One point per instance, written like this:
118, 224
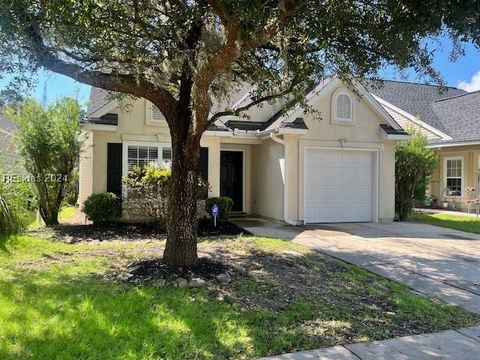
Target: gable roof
460, 115
324, 87
7, 125
416, 99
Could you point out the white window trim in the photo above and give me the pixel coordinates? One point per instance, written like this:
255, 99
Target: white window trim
149, 116
462, 160
126, 144
333, 107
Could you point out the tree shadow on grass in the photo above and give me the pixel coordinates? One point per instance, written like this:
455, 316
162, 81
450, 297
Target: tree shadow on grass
56, 315
84, 317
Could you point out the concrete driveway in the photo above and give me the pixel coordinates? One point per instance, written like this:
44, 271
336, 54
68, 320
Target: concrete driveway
434, 261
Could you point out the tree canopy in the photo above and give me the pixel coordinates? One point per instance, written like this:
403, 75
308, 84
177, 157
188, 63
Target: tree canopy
145, 47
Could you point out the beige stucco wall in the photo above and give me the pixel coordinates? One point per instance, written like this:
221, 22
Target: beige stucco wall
134, 125
264, 159
471, 163
363, 133
267, 180
86, 167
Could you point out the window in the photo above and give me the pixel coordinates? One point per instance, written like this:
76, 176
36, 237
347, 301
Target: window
454, 176
157, 115
142, 156
342, 108
145, 155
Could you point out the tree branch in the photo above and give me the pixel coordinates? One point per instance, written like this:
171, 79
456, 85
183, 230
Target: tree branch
130, 84
267, 98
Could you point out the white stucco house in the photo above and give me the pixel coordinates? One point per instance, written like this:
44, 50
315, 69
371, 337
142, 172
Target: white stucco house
336, 164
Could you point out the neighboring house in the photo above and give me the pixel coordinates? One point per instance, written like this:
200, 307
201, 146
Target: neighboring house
333, 165
450, 119
8, 154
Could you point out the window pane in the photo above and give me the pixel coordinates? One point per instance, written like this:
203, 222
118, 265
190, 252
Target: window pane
143, 152
133, 152
166, 154
454, 187
153, 153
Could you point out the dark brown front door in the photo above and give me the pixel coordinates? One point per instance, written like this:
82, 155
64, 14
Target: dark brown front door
231, 177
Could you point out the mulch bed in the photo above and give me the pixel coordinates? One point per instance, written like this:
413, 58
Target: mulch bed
148, 269
76, 233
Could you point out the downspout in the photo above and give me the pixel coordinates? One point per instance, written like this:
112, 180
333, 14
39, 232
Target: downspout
285, 177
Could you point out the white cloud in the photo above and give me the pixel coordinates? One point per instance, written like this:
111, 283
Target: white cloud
472, 85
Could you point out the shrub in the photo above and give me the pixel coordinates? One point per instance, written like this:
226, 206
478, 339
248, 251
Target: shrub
148, 188
15, 207
224, 204
49, 141
102, 207
414, 165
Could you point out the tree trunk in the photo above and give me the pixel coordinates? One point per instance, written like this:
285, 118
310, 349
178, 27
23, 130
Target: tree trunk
181, 247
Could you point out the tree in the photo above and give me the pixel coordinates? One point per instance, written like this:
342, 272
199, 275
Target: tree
49, 140
414, 165
180, 54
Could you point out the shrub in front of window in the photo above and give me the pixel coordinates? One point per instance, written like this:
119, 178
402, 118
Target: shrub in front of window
414, 165
101, 208
148, 189
225, 205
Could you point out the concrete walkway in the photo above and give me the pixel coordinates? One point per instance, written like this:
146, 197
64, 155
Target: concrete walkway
462, 344
438, 262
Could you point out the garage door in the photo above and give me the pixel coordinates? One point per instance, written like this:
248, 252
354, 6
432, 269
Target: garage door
338, 186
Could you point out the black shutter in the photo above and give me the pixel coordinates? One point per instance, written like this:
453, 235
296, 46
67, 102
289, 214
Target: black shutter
114, 168
203, 163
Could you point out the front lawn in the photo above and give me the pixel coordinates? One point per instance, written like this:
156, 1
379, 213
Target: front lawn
457, 222
68, 301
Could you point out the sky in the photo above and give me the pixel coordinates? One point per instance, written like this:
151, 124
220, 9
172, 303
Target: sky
464, 73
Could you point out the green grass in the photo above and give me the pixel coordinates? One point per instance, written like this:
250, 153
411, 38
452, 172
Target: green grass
66, 213
56, 303
457, 222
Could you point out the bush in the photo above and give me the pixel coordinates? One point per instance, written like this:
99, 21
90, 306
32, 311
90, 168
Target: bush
15, 207
71, 191
148, 189
224, 204
414, 165
102, 207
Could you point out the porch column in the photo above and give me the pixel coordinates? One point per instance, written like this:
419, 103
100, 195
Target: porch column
213, 144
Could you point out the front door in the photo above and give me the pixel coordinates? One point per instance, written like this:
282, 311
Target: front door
231, 177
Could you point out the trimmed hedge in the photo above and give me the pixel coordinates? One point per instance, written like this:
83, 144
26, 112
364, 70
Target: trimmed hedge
224, 204
102, 207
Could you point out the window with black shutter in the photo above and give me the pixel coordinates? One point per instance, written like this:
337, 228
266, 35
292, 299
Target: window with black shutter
203, 163
114, 168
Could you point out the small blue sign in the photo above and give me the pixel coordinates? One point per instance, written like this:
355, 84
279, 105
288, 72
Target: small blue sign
215, 210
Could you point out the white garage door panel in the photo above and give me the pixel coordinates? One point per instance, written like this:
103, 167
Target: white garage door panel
338, 186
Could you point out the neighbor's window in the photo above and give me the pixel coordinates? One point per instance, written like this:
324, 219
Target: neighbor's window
454, 177
342, 108
157, 114
142, 156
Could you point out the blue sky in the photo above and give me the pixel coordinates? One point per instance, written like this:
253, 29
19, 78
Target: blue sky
465, 72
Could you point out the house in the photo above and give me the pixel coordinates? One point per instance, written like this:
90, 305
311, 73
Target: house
450, 119
335, 164
8, 153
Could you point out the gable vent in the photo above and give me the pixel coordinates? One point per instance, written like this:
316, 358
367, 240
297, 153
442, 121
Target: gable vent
157, 114
344, 107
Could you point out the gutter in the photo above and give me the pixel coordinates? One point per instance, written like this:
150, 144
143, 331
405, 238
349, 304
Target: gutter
453, 144
285, 182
